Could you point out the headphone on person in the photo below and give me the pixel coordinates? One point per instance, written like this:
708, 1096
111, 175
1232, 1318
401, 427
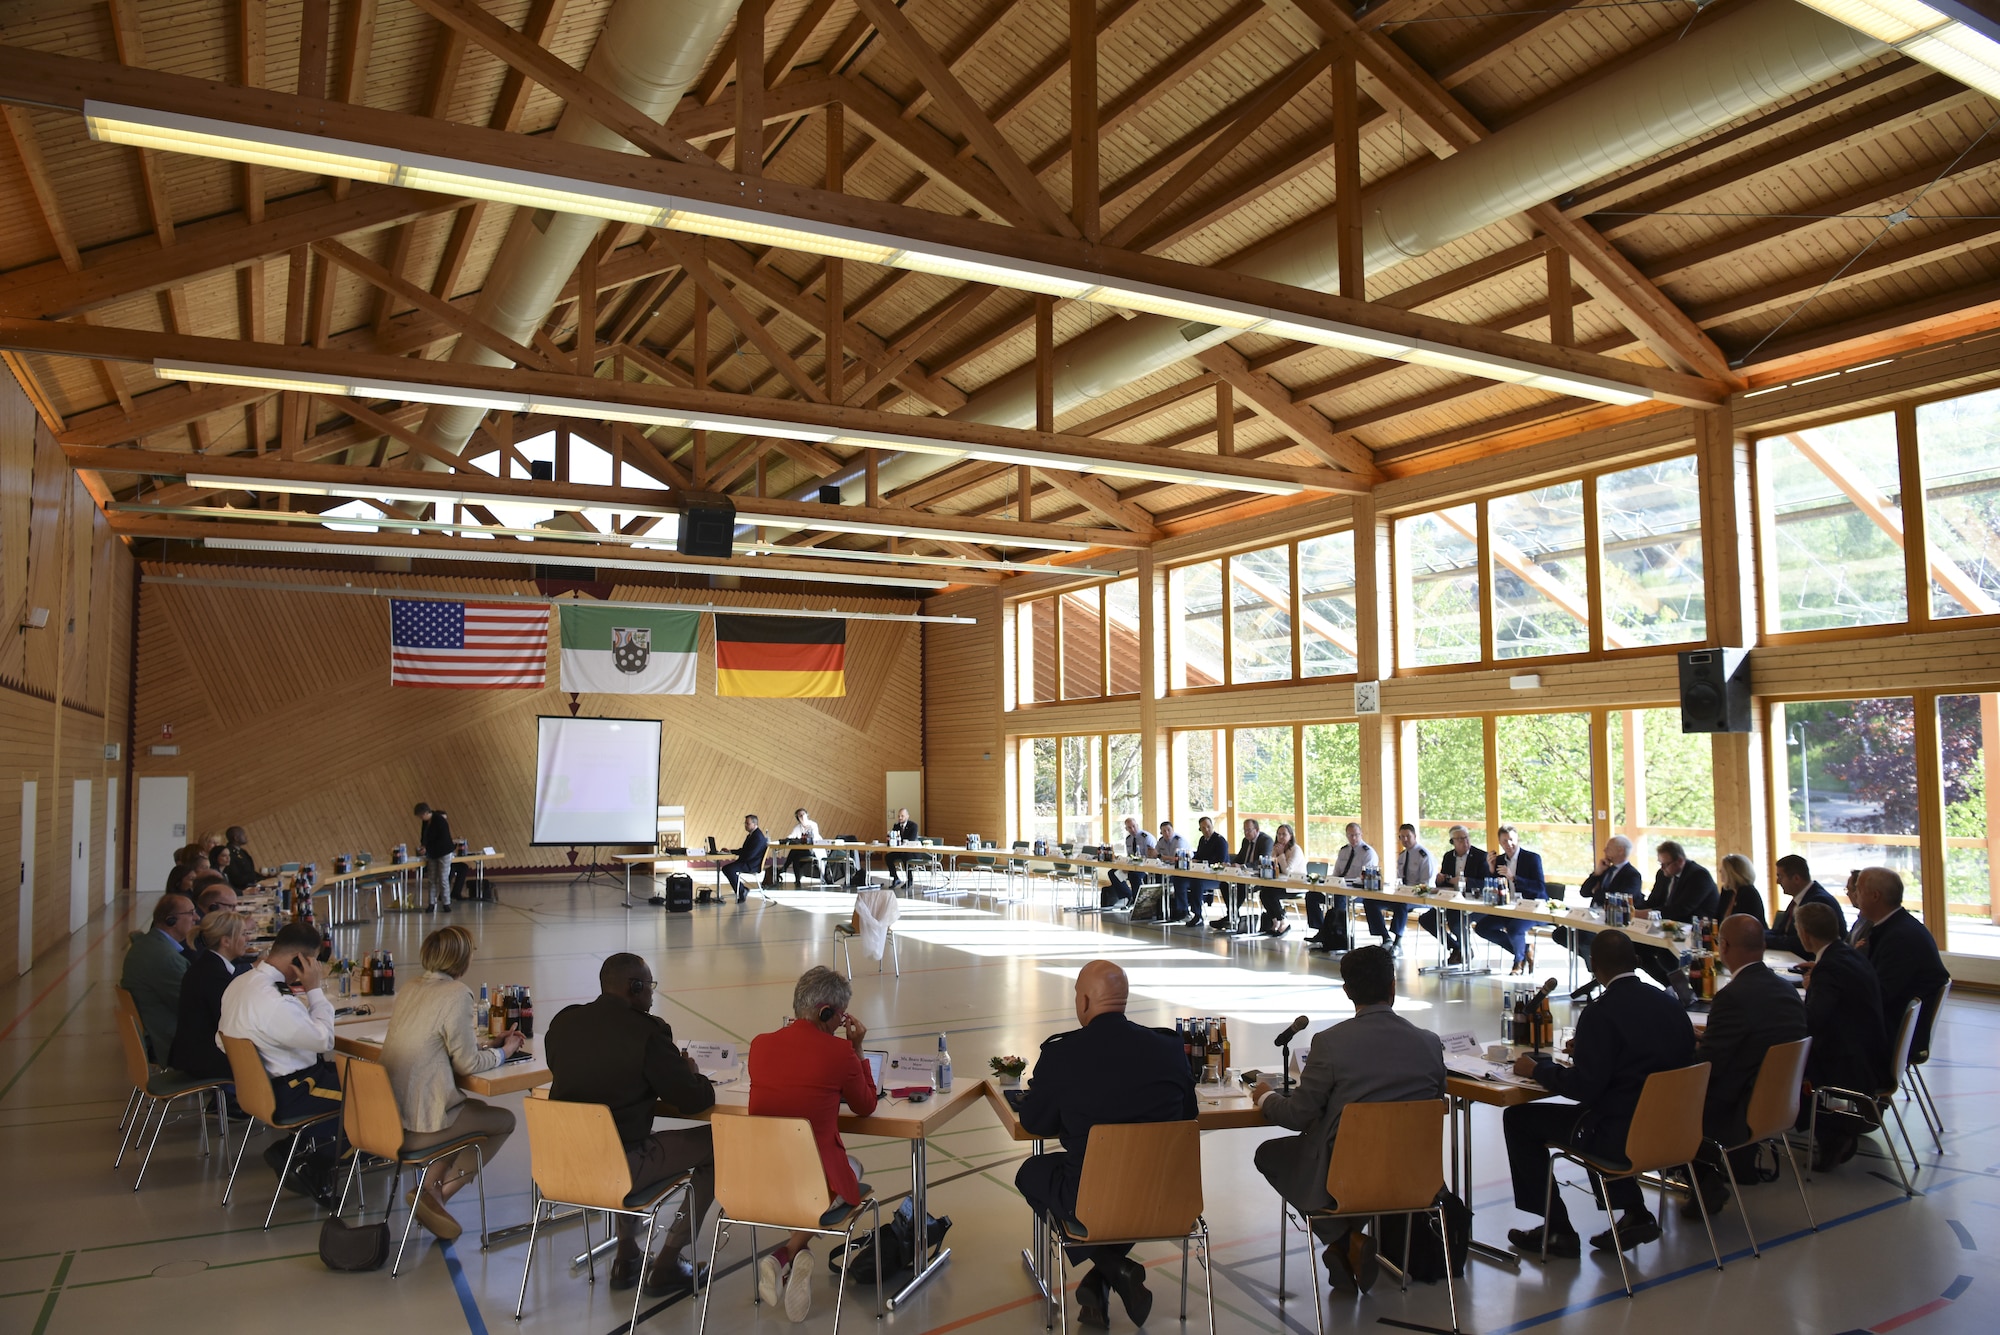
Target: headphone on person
826, 1013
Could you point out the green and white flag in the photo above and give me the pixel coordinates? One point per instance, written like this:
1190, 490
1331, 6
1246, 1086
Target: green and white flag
628, 650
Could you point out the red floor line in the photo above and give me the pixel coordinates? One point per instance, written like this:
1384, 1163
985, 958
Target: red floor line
1915, 1314
116, 923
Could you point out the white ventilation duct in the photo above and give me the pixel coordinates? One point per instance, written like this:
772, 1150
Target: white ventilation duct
650, 53
1766, 51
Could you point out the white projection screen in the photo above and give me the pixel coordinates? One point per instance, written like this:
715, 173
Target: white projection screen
597, 781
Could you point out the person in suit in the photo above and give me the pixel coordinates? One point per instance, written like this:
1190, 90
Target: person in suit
1794, 877
1375, 1057
802, 861
1255, 848
1521, 869
905, 832
615, 1051
1614, 875
749, 859
1107, 1070
1124, 887
1754, 1012
1844, 1016
1463, 862
1902, 951
1355, 856
1737, 880
155, 963
1211, 850
1170, 847
1413, 867
242, 866
222, 939
1628, 1033
1682, 891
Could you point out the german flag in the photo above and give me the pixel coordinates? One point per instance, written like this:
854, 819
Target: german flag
780, 657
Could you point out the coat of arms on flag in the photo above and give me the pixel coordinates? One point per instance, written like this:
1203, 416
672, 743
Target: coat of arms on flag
627, 650
631, 646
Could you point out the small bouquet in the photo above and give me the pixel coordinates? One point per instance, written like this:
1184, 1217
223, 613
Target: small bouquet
1008, 1069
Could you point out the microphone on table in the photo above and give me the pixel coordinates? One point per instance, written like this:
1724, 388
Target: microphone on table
1583, 993
1547, 988
1291, 1031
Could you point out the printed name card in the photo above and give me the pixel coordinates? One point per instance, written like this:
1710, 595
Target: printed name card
1463, 1043
713, 1056
910, 1068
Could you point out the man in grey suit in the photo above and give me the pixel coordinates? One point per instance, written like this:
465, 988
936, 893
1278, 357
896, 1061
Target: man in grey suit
1376, 1057
155, 963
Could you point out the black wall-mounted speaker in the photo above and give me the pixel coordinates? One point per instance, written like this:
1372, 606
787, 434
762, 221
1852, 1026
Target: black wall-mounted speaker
542, 470
707, 530
1715, 690
829, 495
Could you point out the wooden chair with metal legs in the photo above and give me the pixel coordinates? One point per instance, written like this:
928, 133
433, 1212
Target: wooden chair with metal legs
374, 1127
255, 1096
844, 934
1919, 1058
1141, 1182
1774, 1110
1871, 1107
155, 1089
768, 1174
1388, 1159
576, 1159
1665, 1133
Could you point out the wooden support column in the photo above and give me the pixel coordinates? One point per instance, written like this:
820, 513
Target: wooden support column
1045, 397
698, 456
1155, 766
871, 479
1225, 417
1381, 805
750, 87
586, 311
1930, 817
1347, 175
1083, 186
1741, 805
1562, 316
250, 73
835, 278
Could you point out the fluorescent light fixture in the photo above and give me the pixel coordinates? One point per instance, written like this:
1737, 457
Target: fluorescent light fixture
593, 410
544, 558
867, 528
1948, 36
202, 136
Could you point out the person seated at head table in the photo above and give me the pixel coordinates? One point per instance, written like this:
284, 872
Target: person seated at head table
222, 943
1463, 862
1375, 1057
1327, 914
1632, 1030
1123, 891
280, 1006
189, 858
155, 962
1109, 1070
808, 1069
1755, 1010
615, 1051
746, 860
1413, 867
905, 832
1682, 891
800, 861
432, 1041
216, 896
1255, 848
1736, 879
1170, 847
1288, 862
1211, 849
1614, 875
242, 867
1844, 1017
1794, 877
1520, 870
1902, 952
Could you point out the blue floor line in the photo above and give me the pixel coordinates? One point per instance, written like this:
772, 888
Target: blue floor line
470, 1305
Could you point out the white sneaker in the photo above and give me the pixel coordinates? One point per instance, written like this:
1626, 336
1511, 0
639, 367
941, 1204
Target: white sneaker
798, 1288
769, 1277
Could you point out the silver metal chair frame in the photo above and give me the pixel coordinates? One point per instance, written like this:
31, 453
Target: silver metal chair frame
845, 1233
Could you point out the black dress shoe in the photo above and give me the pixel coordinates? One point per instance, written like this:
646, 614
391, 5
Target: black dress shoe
1528, 1242
672, 1274
1093, 1297
1633, 1230
625, 1271
1714, 1195
1129, 1282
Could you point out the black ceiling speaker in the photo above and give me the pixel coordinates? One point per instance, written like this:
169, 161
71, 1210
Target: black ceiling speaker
829, 495
542, 470
708, 529
1715, 690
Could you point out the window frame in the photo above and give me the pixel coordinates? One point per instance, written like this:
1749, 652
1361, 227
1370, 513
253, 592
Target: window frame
1295, 610
1023, 675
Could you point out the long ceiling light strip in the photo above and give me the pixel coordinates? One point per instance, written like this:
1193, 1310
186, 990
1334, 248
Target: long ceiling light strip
316, 548
476, 496
202, 136
1947, 36
209, 373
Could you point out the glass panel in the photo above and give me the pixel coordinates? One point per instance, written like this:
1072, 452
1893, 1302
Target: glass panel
1035, 668
1541, 594
1451, 781
1121, 619
1333, 789
1851, 766
1042, 779
1663, 785
1081, 783
1197, 762
1437, 571
1123, 780
1833, 495
1264, 791
1194, 624
1968, 733
1544, 763
1649, 535
1260, 586
1326, 585
1082, 646
1958, 446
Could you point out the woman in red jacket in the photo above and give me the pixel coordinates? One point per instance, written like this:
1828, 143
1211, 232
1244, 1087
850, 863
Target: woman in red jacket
807, 1069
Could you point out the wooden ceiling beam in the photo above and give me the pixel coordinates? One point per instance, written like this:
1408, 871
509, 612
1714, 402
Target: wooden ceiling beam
1138, 410
1879, 262
1304, 425
914, 343
35, 167
967, 180
463, 322
131, 47
1098, 495
1871, 329
1490, 47
692, 252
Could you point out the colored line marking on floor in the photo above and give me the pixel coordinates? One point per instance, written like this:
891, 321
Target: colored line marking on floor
466, 1301
8, 1088
55, 1292
1939, 1303
1964, 1235
56, 982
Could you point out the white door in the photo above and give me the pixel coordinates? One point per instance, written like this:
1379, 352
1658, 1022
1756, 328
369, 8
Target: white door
79, 854
906, 789
110, 840
27, 897
161, 827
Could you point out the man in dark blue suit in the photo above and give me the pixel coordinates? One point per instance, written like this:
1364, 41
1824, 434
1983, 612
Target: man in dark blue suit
749, 858
1794, 877
1521, 869
1682, 892
1110, 1070
1844, 1016
1628, 1033
1615, 875
1902, 951
1464, 862
1756, 1011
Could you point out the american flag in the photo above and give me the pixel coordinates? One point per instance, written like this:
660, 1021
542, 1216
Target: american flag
471, 646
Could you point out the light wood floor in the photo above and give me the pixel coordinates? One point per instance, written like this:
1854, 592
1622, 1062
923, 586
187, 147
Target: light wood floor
80, 1252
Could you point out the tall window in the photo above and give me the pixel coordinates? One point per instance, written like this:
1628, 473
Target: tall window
1121, 631
1649, 550
1200, 767
1438, 587
1039, 768
1326, 613
1260, 598
1450, 779
1082, 785
1082, 645
1544, 769
1851, 766
1264, 780
1663, 785
1959, 448
1541, 593
1833, 523
1333, 789
1121, 789
1968, 740
1035, 637
1194, 625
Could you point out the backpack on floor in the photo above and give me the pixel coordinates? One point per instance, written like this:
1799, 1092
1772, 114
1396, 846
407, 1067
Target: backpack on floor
677, 892
1426, 1250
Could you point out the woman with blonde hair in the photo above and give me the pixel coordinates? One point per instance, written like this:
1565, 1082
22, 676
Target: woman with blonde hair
1288, 862
1739, 888
221, 940
431, 1042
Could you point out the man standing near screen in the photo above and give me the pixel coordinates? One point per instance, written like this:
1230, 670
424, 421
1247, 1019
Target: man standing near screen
434, 837
749, 858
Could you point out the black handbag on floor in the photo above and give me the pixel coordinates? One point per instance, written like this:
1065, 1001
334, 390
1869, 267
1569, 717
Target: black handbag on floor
897, 1241
357, 1247
1427, 1251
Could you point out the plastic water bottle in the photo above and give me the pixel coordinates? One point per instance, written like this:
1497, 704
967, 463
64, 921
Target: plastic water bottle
943, 1067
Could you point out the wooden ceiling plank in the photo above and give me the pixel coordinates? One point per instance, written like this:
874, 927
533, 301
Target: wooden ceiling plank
912, 345
1098, 495
1138, 410
1490, 48
924, 148
694, 260
36, 168
1304, 425
1832, 277
394, 285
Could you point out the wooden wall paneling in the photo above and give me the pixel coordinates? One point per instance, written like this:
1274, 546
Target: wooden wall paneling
17, 470
1154, 763
964, 768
